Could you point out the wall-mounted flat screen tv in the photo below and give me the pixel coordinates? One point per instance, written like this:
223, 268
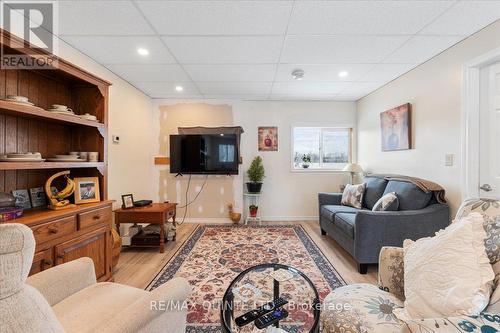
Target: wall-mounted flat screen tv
204, 154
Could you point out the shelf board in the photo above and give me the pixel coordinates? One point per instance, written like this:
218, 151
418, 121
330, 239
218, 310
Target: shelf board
38, 113
49, 165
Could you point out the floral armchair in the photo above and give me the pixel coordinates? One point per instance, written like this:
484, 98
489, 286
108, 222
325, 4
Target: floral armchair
363, 308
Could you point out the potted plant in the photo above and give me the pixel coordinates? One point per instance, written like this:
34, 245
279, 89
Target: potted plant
253, 210
306, 161
256, 174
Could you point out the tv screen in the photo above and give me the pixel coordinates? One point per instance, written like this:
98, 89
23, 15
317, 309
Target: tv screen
204, 154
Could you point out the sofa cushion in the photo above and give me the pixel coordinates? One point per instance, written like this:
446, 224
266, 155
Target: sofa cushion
93, 306
353, 195
345, 221
410, 196
329, 211
388, 202
374, 190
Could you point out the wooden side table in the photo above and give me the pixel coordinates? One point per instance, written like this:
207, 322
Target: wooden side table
156, 213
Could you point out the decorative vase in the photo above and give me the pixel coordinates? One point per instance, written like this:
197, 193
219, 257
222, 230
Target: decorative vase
305, 165
254, 187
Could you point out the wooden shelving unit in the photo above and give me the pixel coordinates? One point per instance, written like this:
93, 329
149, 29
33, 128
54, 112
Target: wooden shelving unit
85, 230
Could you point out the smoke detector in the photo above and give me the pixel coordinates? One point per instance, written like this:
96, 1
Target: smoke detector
298, 74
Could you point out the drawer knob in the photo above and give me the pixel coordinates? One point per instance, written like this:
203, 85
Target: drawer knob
47, 263
53, 230
96, 217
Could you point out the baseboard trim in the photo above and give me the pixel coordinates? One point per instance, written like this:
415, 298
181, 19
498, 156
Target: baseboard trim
224, 220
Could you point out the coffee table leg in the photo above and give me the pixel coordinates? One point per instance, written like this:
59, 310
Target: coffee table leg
175, 225
162, 237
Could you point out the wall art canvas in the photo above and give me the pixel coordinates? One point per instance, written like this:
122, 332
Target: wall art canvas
395, 125
268, 138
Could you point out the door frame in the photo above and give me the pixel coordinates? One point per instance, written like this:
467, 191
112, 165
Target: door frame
471, 101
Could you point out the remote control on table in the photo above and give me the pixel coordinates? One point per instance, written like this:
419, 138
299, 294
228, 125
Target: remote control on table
260, 311
271, 318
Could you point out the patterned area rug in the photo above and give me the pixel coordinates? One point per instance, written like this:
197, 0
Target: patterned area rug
214, 255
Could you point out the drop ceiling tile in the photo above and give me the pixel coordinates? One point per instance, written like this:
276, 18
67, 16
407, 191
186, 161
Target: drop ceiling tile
225, 49
247, 97
234, 88
323, 72
101, 18
121, 49
387, 72
308, 88
339, 49
167, 89
235, 73
217, 17
465, 18
364, 17
147, 72
421, 48
301, 97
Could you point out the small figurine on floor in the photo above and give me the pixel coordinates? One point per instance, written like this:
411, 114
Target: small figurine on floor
235, 217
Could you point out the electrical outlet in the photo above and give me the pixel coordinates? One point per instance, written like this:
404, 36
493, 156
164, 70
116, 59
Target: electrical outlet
448, 160
116, 139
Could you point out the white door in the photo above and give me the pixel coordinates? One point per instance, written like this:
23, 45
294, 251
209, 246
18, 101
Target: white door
489, 163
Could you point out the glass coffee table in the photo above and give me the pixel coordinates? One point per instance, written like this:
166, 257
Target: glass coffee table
260, 284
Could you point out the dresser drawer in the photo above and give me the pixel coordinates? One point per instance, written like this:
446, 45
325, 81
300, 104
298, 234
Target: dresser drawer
94, 217
54, 229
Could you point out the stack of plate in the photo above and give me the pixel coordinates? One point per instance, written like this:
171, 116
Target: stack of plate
68, 111
28, 157
18, 99
65, 158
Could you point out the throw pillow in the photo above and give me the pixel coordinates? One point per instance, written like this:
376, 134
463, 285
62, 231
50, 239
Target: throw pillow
353, 195
491, 225
388, 202
448, 274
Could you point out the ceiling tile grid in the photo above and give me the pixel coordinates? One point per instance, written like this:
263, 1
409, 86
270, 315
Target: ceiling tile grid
229, 49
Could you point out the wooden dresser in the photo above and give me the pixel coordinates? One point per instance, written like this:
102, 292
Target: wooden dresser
64, 235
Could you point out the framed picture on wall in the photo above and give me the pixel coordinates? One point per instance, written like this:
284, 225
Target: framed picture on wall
87, 190
268, 138
395, 126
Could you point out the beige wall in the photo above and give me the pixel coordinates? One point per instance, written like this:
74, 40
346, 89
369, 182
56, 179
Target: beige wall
130, 117
287, 195
434, 90
217, 190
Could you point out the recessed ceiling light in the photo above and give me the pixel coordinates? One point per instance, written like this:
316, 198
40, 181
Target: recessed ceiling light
343, 73
298, 74
179, 88
142, 51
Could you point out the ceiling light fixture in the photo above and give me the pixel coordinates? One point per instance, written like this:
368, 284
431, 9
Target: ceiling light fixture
343, 73
298, 74
179, 88
142, 51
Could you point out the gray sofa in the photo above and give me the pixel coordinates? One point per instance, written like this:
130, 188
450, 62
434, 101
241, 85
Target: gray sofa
363, 232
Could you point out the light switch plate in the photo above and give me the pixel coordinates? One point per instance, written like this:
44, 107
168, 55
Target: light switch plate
448, 160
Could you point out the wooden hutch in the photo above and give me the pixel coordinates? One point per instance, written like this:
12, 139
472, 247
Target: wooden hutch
63, 235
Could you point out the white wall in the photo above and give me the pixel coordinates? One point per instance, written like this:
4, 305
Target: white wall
434, 90
130, 113
287, 195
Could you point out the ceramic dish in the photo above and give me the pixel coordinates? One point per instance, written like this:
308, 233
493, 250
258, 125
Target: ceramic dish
18, 98
18, 102
66, 156
70, 113
55, 159
20, 159
27, 155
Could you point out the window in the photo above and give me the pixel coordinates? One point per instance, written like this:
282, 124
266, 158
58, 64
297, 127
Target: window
329, 148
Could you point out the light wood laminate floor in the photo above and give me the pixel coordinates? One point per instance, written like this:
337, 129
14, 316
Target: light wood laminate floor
137, 267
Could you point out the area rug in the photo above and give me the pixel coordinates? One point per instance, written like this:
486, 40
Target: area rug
215, 254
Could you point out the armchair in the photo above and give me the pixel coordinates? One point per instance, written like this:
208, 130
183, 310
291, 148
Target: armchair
360, 308
67, 298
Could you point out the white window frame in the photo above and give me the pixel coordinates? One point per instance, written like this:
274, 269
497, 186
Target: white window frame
350, 128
